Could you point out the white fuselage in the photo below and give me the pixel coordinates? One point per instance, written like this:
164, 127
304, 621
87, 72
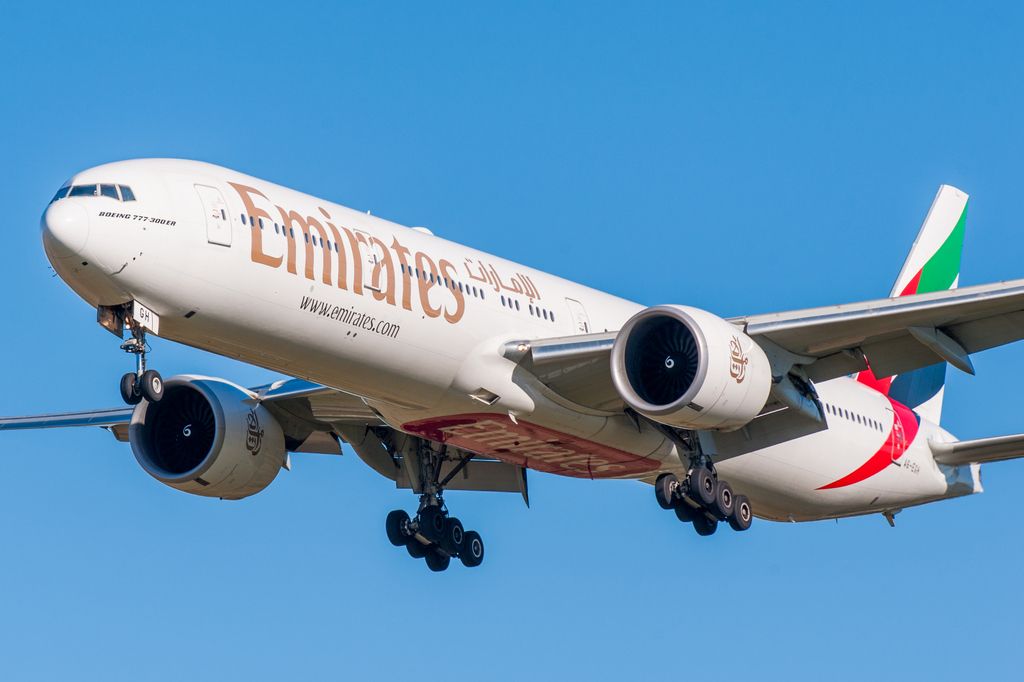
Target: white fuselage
415, 325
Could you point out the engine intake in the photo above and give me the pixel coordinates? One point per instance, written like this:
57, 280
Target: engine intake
685, 367
202, 438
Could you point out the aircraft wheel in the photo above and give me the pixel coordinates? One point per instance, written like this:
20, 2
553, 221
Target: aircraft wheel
742, 515
664, 489
416, 549
685, 512
129, 389
724, 500
151, 385
703, 525
432, 523
702, 486
472, 549
436, 561
454, 535
395, 525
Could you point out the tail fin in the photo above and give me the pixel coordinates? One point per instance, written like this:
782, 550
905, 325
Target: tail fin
932, 265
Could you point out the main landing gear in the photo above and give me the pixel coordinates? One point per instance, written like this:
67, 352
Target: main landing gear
703, 499
433, 534
142, 383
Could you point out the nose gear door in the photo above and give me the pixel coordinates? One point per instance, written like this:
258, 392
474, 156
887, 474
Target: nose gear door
218, 227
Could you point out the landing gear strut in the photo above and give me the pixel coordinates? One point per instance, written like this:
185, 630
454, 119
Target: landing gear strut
433, 534
142, 383
703, 499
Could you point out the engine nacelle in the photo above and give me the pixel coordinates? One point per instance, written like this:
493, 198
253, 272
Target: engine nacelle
685, 367
203, 439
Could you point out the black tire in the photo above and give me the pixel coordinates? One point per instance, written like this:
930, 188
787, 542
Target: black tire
454, 535
129, 389
702, 486
685, 512
664, 489
472, 549
742, 513
432, 522
395, 525
436, 561
416, 549
152, 386
724, 501
704, 526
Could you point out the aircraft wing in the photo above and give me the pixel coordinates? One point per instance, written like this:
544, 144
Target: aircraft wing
981, 450
314, 418
316, 407
893, 335
896, 335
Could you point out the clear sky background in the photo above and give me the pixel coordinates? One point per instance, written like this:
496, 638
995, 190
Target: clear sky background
739, 158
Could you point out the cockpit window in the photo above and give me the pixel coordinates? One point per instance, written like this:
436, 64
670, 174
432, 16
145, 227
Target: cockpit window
61, 193
119, 192
83, 191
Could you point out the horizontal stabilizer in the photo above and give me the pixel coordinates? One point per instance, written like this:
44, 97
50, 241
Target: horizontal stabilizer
980, 450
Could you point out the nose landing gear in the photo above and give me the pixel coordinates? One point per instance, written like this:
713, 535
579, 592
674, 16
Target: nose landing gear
142, 383
433, 534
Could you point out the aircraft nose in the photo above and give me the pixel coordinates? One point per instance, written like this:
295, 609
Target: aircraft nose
65, 228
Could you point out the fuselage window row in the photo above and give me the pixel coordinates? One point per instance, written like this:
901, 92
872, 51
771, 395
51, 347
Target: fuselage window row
473, 291
853, 417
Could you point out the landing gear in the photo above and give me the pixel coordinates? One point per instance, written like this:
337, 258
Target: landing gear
703, 499
433, 535
142, 383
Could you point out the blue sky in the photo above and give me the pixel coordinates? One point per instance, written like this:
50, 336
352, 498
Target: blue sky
743, 161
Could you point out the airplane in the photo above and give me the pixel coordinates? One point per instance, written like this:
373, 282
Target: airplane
445, 368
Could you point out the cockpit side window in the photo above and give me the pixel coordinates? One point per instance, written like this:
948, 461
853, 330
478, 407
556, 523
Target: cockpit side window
83, 191
61, 193
109, 191
126, 193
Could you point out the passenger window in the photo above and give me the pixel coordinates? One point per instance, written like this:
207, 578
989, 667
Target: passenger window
109, 191
517, 305
126, 193
83, 191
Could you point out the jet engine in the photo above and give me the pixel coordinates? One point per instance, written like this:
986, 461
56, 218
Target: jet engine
685, 367
203, 438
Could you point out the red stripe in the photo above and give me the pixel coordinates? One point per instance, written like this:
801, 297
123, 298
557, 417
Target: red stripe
912, 285
901, 435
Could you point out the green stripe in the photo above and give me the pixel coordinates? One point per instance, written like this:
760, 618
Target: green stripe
942, 269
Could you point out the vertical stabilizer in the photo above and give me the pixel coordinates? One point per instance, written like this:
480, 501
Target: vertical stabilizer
932, 265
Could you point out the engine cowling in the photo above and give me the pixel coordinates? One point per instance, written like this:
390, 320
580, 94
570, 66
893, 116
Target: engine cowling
685, 367
203, 439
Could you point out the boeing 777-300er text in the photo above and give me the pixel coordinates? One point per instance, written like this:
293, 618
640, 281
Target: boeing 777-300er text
445, 368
